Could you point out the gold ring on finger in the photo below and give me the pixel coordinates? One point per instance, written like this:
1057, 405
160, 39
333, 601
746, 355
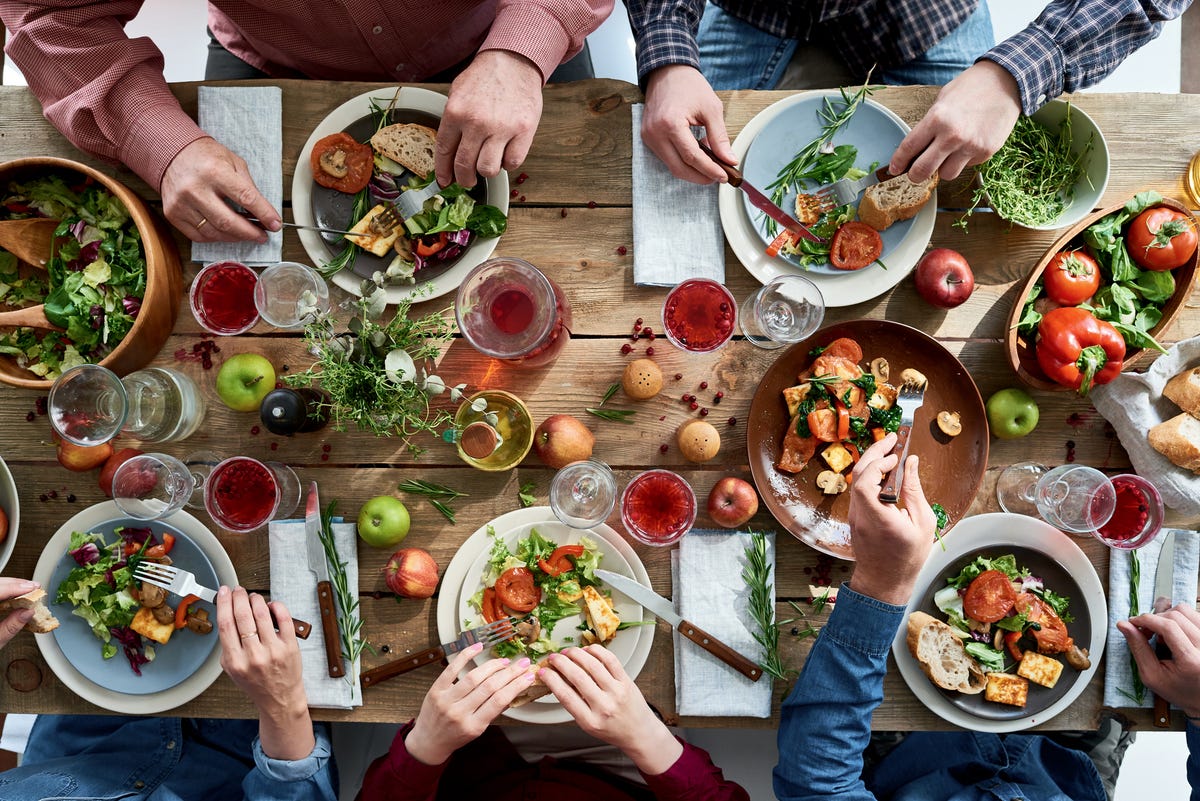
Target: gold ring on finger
250, 634
203, 222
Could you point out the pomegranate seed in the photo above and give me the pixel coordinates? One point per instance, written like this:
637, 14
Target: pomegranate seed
521, 199
274, 446
637, 329
621, 251
522, 178
684, 397
562, 212
254, 431
43, 498
71, 498
30, 417
663, 448
703, 385
40, 405
326, 447
591, 204
513, 193
648, 331
679, 376
324, 457
660, 419
638, 321
649, 351
724, 306
704, 412
717, 398
719, 395
692, 398
278, 385
626, 348
733, 421
53, 493
693, 406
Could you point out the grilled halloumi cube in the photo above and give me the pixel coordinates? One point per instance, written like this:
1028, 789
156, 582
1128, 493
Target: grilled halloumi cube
602, 618
794, 396
808, 208
1039, 669
884, 397
1005, 688
145, 624
837, 457
372, 240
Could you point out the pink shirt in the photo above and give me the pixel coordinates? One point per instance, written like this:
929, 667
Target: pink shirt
107, 93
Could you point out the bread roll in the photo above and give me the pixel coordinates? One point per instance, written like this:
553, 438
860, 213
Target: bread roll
893, 200
943, 656
43, 619
1184, 389
409, 145
1178, 439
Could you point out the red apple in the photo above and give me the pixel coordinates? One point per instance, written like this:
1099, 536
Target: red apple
944, 278
411, 573
81, 458
110, 468
561, 439
732, 502
3, 524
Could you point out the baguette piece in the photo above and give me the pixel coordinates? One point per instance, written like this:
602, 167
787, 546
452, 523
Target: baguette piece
535, 690
409, 145
1184, 389
1178, 439
943, 656
43, 619
893, 200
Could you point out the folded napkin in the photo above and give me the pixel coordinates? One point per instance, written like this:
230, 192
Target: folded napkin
294, 584
676, 224
1117, 672
1133, 404
249, 121
709, 591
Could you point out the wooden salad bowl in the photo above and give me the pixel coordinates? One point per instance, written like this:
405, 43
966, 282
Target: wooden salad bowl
1023, 359
164, 277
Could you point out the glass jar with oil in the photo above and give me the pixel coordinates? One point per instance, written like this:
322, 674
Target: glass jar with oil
493, 429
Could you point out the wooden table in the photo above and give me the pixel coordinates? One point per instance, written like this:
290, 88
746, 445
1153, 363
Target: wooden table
573, 217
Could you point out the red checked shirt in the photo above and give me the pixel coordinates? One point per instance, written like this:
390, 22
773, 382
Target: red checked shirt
107, 93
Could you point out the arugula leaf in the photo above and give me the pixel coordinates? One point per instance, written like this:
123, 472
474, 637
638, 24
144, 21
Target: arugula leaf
1058, 603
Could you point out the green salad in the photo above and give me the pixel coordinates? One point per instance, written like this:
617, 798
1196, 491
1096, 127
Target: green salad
94, 284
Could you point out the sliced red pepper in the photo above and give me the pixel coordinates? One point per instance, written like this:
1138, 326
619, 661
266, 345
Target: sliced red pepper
427, 249
182, 609
16, 207
1010, 642
785, 238
558, 562
159, 551
854, 454
489, 607
843, 420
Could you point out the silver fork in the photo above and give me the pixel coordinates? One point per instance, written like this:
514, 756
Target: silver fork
490, 634
844, 190
413, 200
183, 583
911, 396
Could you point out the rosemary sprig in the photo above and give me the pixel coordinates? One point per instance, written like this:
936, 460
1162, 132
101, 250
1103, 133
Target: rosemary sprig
525, 494
438, 494
608, 393
821, 601
1135, 580
346, 596
614, 415
757, 575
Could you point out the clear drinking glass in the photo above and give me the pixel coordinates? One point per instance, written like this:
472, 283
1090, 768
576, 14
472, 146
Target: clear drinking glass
153, 486
658, 507
89, 405
286, 293
698, 315
785, 310
1070, 497
508, 309
244, 494
583, 494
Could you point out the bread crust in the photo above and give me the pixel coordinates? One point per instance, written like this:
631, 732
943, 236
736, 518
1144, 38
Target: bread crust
893, 200
1184, 390
950, 648
1178, 439
43, 620
410, 145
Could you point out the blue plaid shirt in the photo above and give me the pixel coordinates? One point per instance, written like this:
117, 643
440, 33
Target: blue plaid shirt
1070, 46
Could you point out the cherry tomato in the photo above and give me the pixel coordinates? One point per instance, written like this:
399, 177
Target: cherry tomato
354, 160
1161, 238
989, 597
558, 562
1071, 277
855, 245
516, 590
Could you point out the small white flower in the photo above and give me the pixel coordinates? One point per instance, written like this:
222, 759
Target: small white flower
399, 367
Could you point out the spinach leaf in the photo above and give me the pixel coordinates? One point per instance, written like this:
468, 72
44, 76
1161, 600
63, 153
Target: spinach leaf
1136, 338
1154, 286
487, 221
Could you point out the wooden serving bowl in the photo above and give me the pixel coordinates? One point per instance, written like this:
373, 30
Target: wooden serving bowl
164, 278
1023, 359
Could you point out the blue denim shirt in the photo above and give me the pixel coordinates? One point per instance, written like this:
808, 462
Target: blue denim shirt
162, 759
826, 726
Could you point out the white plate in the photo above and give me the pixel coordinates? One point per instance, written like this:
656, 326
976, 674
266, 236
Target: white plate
994, 533
461, 581
838, 290
422, 100
85, 687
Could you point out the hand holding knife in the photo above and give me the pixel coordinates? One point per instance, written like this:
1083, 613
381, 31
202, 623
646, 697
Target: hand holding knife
320, 568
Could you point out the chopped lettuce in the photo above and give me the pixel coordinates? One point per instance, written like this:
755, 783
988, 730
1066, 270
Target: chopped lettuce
1006, 564
988, 657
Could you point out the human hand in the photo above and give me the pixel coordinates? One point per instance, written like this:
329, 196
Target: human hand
195, 187
678, 97
593, 686
16, 620
1176, 679
890, 543
456, 711
265, 664
969, 121
491, 115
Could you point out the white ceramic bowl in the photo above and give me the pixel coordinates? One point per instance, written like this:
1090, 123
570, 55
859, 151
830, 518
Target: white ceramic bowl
11, 504
1090, 186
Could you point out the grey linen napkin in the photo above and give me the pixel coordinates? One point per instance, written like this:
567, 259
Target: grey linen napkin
1133, 404
1118, 675
249, 121
292, 583
676, 224
709, 591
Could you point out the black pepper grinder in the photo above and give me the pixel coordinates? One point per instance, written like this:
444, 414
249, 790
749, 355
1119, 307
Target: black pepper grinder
295, 411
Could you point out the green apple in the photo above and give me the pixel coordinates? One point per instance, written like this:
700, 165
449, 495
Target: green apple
383, 522
244, 380
1012, 413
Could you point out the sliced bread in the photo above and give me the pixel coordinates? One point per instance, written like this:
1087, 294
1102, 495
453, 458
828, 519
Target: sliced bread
1184, 389
409, 145
1178, 439
943, 656
43, 619
535, 690
893, 200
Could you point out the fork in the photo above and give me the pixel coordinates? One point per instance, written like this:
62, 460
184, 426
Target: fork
844, 190
912, 395
317, 228
413, 200
489, 634
183, 583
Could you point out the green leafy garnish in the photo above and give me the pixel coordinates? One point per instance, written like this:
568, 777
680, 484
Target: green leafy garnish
613, 415
438, 494
761, 601
525, 494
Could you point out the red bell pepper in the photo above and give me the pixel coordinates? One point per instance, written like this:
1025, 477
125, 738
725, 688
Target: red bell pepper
558, 563
1077, 350
1010, 642
784, 239
182, 610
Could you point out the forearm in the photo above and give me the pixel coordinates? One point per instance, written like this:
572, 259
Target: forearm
104, 91
1073, 45
826, 721
308, 778
399, 776
664, 32
547, 32
286, 733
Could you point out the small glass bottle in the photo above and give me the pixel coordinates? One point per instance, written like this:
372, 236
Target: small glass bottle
493, 430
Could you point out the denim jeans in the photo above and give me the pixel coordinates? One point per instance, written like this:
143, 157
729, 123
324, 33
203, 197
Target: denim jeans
736, 55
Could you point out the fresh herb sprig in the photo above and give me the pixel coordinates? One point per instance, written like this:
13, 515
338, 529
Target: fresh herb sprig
757, 575
613, 415
439, 495
525, 495
1135, 579
349, 623
608, 393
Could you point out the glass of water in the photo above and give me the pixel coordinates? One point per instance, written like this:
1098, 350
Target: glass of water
785, 310
583, 494
153, 486
288, 294
1070, 497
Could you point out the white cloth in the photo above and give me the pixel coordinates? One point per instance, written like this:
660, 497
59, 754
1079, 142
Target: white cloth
1133, 404
249, 121
1118, 675
294, 585
710, 592
676, 224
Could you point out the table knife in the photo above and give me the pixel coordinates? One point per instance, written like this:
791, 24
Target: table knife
320, 568
1164, 586
761, 201
665, 610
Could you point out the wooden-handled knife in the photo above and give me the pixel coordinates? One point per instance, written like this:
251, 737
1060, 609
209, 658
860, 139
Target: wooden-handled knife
320, 568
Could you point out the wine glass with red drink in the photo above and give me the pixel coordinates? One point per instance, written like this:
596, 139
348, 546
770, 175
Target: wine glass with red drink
244, 494
658, 507
222, 298
507, 309
699, 315
1138, 516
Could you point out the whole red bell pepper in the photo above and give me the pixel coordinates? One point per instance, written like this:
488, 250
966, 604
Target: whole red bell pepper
1077, 350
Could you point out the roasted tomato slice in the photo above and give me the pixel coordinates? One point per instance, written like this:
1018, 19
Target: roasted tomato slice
855, 245
559, 563
489, 607
516, 589
989, 597
339, 162
1050, 632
